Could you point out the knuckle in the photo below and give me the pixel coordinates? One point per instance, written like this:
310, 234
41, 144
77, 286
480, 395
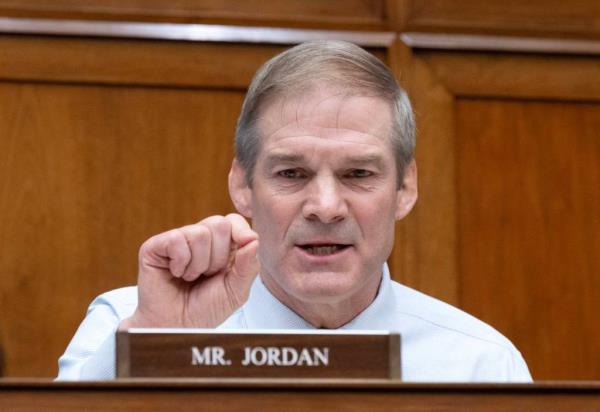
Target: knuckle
202, 232
211, 220
218, 226
171, 236
222, 227
236, 219
151, 244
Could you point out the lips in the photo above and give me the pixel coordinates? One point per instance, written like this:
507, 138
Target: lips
323, 249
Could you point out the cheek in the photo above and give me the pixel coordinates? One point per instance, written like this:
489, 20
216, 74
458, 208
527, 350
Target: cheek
377, 221
272, 222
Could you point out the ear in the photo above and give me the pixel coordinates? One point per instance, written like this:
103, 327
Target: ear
240, 192
407, 194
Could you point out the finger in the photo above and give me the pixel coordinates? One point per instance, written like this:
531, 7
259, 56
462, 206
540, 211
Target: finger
241, 232
199, 239
167, 250
220, 230
178, 252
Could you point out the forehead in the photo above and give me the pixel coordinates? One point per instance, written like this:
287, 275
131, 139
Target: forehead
336, 116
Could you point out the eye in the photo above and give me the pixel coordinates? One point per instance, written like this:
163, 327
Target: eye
359, 173
291, 174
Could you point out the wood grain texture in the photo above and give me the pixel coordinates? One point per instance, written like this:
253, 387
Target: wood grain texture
297, 395
131, 62
490, 43
529, 237
363, 14
539, 17
424, 254
435, 263
516, 75
88, 173
186, 32
105, 143
535, 17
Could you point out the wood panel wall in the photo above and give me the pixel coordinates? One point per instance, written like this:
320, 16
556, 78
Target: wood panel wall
92, 166
530, 226
549, 18
107, 139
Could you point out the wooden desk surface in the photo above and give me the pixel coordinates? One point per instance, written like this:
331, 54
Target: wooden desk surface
294, 395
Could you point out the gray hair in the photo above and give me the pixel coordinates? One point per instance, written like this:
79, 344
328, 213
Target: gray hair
338, 63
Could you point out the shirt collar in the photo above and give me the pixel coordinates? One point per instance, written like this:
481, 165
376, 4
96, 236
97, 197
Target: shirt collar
265, 311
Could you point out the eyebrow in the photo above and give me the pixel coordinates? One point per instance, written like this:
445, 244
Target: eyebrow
277, 158
367, 159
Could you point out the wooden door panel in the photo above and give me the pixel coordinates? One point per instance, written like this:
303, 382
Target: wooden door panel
529, 227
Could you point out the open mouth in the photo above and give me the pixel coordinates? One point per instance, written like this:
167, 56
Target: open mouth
323, 250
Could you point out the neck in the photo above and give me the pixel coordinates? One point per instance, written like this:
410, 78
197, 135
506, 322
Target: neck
326, 313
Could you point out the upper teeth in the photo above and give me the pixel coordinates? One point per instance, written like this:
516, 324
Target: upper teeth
323, 250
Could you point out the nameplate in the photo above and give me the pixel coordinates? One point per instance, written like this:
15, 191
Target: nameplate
266, 354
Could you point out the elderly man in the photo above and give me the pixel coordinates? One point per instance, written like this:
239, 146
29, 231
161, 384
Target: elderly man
324, 167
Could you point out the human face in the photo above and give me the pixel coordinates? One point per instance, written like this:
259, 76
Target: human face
324, 197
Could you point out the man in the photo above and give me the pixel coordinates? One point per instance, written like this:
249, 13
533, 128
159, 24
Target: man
324, 167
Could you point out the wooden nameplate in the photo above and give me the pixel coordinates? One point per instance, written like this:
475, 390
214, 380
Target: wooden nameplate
270, 354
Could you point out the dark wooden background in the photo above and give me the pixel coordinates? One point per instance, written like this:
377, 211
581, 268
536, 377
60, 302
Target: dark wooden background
110, 133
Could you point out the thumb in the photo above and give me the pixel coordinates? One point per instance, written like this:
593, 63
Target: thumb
245, 267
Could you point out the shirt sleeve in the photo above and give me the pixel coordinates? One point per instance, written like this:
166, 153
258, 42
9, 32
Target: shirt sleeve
91, 353
519, 372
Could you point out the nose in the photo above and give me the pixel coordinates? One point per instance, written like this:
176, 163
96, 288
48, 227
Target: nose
325, 201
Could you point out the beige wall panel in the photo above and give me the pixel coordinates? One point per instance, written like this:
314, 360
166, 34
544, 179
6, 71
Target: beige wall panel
529, 228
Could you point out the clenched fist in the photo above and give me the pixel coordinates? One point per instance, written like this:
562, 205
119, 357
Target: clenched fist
197, 275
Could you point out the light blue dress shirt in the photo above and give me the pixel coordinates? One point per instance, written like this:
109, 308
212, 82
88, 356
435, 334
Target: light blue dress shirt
439, 343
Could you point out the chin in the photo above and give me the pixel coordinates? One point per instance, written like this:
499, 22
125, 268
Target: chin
327, 287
